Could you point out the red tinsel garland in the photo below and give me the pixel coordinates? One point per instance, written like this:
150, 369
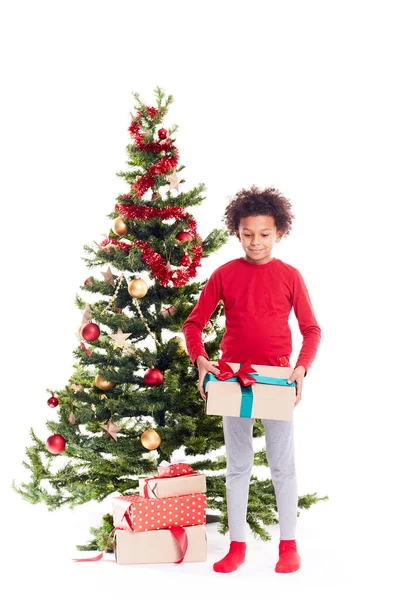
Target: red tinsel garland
166, 163
180, 276
145, 213
152, 111
144, 183
110, 241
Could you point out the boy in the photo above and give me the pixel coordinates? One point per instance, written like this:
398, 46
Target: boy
259, 292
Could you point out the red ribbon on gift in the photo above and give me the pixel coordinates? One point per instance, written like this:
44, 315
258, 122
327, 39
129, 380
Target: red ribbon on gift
179, 534
226, 372
146, 486
181, 537
127, 519
99, 556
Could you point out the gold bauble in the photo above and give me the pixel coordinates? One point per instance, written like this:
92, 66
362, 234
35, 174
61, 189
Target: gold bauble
102, 383
119, 226
137, 288
181, 344
150, 439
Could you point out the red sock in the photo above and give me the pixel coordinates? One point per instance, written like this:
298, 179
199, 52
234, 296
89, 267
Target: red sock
289, 560
233, 559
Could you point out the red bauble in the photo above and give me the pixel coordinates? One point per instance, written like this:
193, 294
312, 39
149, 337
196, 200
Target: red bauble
90, 332
55, 443
162, 134
185, 260
86, 281
153, 377
52, 402
184, 236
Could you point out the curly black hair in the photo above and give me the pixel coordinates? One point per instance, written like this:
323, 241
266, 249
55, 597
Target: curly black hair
259, 202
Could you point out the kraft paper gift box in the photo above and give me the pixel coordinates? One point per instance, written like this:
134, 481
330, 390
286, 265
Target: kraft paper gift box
137, 513
172, 480
160, 546
246, 390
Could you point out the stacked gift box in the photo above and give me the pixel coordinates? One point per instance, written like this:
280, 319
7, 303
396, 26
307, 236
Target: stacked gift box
165, 522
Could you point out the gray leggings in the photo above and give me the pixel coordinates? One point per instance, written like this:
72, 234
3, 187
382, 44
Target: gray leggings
238, 434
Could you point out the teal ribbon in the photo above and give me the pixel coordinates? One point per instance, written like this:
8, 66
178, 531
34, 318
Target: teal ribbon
246, 406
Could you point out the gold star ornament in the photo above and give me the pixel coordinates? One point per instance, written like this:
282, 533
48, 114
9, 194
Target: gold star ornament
72, 418
77, 387
120, 338
109, 277
111, 429
173, 181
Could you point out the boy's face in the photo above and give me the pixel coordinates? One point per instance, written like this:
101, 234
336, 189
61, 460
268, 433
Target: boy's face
258, 234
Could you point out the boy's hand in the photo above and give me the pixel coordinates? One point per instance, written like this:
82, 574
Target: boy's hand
297, 376
204, 366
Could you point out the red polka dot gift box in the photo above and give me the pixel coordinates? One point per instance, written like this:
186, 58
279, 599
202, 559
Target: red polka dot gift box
174, 470
136, 513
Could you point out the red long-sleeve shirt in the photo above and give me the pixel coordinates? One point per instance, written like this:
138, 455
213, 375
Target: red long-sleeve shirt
257, 301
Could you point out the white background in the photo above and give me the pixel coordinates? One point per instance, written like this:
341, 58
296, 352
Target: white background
297, 95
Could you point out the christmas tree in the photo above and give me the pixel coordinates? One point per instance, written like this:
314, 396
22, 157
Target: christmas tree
132, 400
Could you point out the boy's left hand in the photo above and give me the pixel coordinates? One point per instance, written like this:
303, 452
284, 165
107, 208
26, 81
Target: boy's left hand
297, 376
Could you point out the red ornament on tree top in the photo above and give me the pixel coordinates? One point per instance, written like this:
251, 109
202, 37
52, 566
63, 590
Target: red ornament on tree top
162, 133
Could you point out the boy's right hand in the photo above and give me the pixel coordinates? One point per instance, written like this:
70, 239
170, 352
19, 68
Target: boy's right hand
205, 366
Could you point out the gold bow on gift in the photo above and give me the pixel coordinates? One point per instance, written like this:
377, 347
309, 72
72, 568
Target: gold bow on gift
226, 372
